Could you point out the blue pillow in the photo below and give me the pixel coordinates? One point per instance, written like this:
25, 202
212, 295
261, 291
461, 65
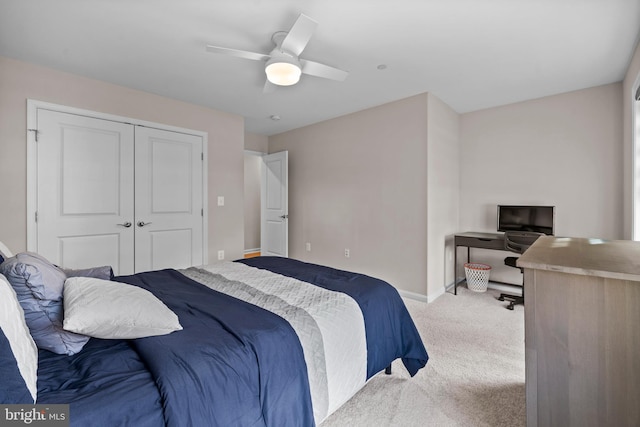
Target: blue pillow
1, 259
39, 285
12, 387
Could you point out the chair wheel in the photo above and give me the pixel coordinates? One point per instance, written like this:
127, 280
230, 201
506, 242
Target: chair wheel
500, 298
510, 307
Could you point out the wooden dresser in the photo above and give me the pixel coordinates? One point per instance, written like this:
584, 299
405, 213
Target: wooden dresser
582, 332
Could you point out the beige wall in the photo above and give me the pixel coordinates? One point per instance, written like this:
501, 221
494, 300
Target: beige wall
360, 182
252, 177
443, 201
20, 81
631, 108
256, 142
563, 150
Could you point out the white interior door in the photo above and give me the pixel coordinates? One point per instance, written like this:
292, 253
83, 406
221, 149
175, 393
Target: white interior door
274, 227
85, 208
169, 201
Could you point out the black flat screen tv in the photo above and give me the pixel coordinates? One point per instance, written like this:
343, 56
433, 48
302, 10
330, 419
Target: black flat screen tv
540, 219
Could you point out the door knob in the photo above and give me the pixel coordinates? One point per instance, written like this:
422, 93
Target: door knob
284, 216
142, 223
125, 225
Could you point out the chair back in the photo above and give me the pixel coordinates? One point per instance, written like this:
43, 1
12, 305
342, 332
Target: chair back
519, 241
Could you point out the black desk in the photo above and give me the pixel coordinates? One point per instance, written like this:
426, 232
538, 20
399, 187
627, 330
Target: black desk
472, 239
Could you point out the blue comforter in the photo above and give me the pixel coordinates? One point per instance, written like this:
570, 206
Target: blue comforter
227, 366
106, 374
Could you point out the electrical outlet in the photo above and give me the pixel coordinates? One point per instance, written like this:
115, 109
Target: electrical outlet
220, 200
347, 253
220, 255
308, 247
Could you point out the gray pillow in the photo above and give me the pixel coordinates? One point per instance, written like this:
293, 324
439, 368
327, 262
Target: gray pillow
104, 272
39, 285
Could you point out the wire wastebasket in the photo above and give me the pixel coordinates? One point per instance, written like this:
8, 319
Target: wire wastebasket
477, 276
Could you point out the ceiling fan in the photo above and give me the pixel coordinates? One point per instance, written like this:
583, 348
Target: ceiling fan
283, 66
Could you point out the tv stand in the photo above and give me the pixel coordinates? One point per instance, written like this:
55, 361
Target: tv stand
472, 239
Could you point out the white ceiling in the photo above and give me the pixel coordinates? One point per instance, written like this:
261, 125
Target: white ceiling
472, 54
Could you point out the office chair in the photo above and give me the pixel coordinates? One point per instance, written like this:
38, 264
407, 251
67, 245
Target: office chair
518, 242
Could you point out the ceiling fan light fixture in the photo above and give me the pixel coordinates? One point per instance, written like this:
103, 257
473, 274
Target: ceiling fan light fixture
283, 65
283, 72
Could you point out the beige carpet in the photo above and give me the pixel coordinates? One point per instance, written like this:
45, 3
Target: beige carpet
475, 374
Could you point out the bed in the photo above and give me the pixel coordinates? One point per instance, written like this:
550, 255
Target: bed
265, 341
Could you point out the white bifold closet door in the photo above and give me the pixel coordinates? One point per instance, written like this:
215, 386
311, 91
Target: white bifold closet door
111, 193
168, 205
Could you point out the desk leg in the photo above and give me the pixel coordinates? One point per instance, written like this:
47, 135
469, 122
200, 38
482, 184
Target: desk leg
455, 269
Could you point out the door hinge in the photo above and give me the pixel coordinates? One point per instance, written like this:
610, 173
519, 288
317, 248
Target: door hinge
36, 216
36, 131
202, 212
202, 156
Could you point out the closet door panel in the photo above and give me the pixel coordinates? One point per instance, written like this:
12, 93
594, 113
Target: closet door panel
168, 187
93, 250
85, 191
171, 248
170, 177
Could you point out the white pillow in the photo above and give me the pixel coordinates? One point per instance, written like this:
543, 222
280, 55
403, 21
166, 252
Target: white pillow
113, 310
15, 329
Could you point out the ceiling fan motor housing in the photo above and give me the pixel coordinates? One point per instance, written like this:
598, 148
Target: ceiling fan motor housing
282, 68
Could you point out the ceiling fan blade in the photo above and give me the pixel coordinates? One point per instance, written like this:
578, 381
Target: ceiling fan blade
299, 35
268, 87
321, 70
237, 53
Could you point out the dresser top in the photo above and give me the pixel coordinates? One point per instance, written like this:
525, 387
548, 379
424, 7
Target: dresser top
617, 259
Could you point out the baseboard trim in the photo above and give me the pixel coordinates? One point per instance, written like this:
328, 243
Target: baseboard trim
433, 297
502, 287
413, 295
498, 286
